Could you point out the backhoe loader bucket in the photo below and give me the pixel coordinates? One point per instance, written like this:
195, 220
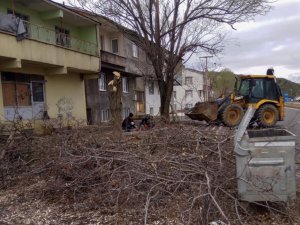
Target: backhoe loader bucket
207, 111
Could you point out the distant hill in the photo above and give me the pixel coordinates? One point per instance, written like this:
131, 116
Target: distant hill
223, 82
292, 88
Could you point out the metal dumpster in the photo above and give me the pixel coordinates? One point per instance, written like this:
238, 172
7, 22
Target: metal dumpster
265, 161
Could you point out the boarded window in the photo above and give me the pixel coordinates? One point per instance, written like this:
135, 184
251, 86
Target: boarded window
19, 90
16, 94
9, 94
140, 101
23, 94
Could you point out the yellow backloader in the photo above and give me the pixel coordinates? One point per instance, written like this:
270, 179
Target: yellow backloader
261, 91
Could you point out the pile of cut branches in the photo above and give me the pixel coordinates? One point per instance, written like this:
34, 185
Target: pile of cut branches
176, 174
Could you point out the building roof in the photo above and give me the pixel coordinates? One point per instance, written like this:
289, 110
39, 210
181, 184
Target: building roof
194, 70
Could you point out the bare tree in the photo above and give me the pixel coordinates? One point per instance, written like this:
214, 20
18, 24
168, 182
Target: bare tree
169, 30
115, 102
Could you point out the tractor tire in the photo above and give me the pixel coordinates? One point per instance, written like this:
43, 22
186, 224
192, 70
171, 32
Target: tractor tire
232, 115
267, 116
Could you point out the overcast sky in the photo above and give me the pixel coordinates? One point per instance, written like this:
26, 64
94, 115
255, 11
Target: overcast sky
270, 40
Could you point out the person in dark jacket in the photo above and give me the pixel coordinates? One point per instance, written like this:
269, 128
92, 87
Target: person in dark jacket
270, 71
128, 123
146, 123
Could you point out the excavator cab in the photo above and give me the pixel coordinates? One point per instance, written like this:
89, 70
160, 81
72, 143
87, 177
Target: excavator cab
255, 89
260, 91
265, 95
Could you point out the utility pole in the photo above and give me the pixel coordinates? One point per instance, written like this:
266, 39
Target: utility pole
206, 85
206, 58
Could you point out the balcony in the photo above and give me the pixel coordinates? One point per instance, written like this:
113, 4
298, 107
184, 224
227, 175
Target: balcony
46, 51
108, 58
46, 35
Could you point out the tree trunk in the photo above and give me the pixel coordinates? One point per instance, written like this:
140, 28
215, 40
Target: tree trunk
165, 107
115, 105
166, 90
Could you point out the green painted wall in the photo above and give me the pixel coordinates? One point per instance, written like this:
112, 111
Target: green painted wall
87, 33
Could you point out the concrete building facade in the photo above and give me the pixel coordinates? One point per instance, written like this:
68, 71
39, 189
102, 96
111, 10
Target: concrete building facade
152, 96
191, 86
47, 67
118, 53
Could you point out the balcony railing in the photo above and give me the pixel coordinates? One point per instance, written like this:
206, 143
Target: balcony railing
112, 58
43, 34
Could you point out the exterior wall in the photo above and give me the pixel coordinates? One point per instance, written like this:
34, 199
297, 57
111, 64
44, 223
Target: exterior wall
143, 69
152, 100
108, 36
68, 90
181, 101
93, 97
99, 100
123, 61
64, 69
69, 87
136, 65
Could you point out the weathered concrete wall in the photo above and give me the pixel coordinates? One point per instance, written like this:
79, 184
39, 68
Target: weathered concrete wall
92, 101
65, 86
98, 100
140, 84
181, 100
152, 100
136, 65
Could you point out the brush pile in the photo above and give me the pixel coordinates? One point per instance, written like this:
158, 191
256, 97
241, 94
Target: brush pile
174, 174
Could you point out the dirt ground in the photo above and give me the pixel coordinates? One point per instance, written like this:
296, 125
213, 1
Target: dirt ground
179, 173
